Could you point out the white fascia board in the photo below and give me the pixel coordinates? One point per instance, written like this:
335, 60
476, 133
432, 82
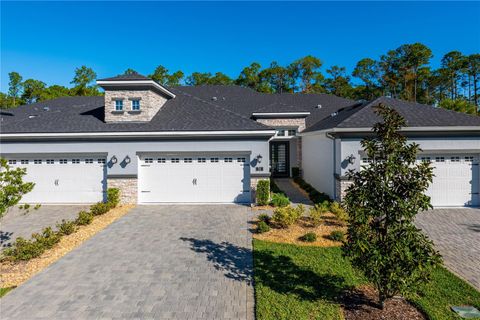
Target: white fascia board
266, 133
405, 129
280, 114
134, 83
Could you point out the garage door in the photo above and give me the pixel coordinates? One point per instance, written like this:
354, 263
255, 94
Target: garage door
73, 179
456, 181
194, 178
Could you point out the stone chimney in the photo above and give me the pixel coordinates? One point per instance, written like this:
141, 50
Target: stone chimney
133, 97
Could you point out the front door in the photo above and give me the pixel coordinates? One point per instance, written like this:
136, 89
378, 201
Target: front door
280, 158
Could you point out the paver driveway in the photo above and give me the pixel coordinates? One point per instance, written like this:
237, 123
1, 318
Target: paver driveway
161, 262
456, 234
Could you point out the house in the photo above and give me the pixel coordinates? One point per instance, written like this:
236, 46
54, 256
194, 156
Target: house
210, 144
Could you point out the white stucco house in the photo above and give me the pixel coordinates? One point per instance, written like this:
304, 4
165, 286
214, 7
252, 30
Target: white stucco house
211, 144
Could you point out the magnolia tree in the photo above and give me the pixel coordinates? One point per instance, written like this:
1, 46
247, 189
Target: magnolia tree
12, 187
382, 203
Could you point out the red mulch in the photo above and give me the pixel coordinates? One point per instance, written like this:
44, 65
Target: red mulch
362, 303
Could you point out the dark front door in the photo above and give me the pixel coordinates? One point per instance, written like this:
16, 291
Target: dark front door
280, 158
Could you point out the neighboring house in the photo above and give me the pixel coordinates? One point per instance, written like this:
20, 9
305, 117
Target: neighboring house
210, 144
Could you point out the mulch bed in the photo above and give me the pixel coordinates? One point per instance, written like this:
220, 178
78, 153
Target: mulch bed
362, 303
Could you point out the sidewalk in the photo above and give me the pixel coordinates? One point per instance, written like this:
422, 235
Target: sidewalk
293, 192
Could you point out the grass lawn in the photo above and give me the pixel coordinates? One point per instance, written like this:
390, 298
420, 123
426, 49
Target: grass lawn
294, 282
4, 291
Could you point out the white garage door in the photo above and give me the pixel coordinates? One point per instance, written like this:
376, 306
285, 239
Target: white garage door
456, 181
63, 179
194, 178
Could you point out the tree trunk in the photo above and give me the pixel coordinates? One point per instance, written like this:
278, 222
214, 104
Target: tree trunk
475, 96
381, 300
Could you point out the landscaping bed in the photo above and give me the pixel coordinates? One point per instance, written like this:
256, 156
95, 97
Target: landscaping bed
307, 282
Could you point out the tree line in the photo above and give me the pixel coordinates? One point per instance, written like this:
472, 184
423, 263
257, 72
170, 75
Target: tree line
404, 73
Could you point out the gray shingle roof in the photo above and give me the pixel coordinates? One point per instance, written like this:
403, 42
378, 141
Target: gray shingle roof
125, 77
415, 114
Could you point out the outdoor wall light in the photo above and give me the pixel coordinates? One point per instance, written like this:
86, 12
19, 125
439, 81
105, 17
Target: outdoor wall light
259, 158
127, 159
351, 159
114, 159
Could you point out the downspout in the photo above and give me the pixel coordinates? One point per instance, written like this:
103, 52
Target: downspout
330, 136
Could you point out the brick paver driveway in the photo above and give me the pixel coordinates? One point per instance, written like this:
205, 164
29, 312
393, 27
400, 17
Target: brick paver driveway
456, 234
157, 262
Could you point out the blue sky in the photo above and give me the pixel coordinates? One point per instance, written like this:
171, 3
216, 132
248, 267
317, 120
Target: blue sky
47, 40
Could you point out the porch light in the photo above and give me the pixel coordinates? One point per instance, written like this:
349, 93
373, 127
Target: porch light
351, 159
114, 159
127, 159
259, 158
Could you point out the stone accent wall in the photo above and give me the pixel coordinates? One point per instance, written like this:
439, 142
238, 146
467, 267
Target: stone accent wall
128, 189
284, 122
150, 104
340, 188
253, 187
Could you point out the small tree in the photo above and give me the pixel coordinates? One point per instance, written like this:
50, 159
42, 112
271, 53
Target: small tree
12, 187
382, 202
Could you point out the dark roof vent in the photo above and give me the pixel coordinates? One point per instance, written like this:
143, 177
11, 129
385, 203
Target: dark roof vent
319, 106
334, 114
214, 98
46, 108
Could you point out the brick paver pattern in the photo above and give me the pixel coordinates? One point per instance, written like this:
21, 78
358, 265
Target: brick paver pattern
157, 262
22, 223
456, 234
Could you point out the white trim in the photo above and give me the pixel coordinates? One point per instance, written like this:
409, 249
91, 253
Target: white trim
140, 134
109, 83
405, 129
280, 114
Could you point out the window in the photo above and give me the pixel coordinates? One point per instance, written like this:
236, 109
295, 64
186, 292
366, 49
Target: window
426, 159
88, 160
24, 161
187, 160
228, 159
439, 159
148, 160
118, 105
213, 159
50, 161
242, 160
455, 159
202, 160
37, 161
12, 161
292, 132
63, 161
175, 160
468, 159
101, 161
136, 105
76, 161
366, 160
281, 132
161, 160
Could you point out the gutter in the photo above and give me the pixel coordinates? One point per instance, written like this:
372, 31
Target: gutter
405, 129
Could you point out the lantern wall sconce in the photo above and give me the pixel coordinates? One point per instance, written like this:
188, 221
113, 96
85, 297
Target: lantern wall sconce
259, 158
114, 160
127, 160
351, 159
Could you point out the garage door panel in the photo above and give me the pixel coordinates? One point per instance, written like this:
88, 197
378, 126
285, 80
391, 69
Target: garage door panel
204, 178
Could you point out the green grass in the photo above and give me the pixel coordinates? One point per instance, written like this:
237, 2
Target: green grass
293, 282
4, 291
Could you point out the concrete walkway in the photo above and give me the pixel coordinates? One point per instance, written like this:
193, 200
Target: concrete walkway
157, 262
19, 223
456, 235
293, 192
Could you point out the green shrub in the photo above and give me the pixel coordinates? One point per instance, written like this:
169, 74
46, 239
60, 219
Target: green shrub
37, 206
66, 227
279, 200
264, 217
23, 249
316, 213
286, 216
113, 197
84, 218
309, 237
262, 227
337, 235
295, 172
48, 238
263, 192
99, 208
338, 210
